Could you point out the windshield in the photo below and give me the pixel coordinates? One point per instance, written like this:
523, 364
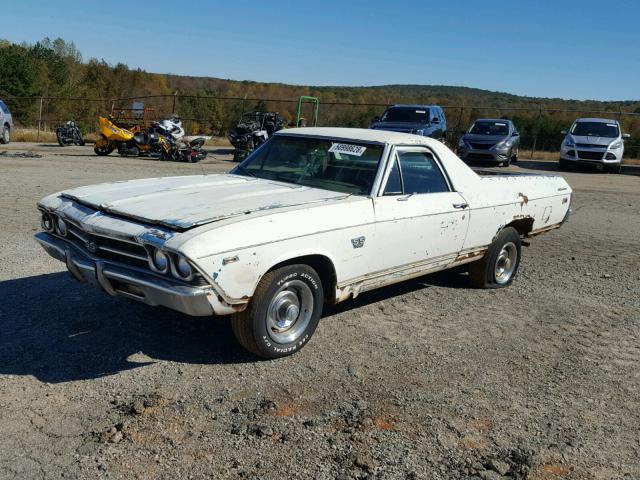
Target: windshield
595, 129
489, 128
339, 166
406, 115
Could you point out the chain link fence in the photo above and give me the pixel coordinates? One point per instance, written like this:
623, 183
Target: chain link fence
539, 126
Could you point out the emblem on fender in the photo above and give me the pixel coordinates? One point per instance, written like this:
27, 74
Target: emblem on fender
358, 242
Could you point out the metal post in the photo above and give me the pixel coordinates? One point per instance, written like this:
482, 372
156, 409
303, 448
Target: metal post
175, 95
459, 122
40, 119
535, 138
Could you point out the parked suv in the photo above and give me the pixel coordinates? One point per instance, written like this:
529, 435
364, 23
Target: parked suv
597, 141
425, 120
495, 140
6, 123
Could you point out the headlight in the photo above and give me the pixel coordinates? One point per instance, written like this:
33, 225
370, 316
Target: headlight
183, 269
62, 227
568, 143
502, 144
47, 221
160, 260
616, 145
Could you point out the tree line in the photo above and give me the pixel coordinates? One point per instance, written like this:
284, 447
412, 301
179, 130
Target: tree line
55, 68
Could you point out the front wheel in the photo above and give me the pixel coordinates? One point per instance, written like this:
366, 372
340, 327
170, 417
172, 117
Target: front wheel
103, 149
500, 264
283, 313
6, 135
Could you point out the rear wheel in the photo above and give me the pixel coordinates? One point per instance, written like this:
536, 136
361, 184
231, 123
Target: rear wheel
499, 266
283, 313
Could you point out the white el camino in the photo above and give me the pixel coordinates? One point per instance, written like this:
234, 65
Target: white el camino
314, 215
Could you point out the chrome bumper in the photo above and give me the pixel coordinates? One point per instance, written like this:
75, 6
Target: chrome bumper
129, 282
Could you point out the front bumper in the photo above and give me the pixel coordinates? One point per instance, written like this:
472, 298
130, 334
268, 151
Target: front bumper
591, 156
133, 283
476, 154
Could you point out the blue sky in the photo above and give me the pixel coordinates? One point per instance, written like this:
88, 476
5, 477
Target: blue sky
563, 48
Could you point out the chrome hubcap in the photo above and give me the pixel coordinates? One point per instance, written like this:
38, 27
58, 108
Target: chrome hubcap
506, 263
289, 312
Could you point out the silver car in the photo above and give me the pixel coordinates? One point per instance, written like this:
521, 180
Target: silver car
597, 141
6, 123
490, 139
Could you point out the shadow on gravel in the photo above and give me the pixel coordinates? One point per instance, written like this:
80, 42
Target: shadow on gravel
453, 278
59, 330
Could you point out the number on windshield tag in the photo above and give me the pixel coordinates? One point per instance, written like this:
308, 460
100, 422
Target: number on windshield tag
347, 149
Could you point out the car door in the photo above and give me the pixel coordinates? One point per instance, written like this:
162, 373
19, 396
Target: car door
419, 219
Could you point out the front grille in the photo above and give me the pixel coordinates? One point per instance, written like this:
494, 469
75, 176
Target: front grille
590, 155
481, 146
589, 145
480, 156
109, 248
124, 251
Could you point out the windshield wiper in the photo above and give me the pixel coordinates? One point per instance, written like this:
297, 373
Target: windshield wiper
247, 171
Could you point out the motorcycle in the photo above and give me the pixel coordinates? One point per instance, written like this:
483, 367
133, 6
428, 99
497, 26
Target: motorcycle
253, 129
175, 146
68, 134
134, 142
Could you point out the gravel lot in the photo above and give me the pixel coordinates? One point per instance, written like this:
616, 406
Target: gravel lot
427, 379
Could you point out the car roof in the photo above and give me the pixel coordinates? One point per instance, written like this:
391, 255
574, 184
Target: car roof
360, 135
599, 120
505, 120
414, 105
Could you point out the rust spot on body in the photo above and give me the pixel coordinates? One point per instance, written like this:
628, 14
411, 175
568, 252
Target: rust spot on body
525, 199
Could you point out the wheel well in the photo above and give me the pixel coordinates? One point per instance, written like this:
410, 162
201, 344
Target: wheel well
321, 264
522, 225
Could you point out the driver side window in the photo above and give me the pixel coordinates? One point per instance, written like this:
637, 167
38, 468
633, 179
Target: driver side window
415, 172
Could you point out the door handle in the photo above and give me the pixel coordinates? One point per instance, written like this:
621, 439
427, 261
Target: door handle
460, 205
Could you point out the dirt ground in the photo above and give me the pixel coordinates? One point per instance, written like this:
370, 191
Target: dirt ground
429, 379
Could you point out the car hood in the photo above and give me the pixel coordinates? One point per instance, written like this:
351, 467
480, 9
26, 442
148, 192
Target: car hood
471, 137
181, 203
591, 140
398, 126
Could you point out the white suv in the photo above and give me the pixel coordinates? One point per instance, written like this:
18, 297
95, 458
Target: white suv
593, 140
6, 123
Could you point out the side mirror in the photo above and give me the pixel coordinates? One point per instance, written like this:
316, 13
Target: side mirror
376, 119
515, 134
563, 132
626, 135
435, 120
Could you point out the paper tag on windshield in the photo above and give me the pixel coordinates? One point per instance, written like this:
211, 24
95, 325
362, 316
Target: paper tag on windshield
347, 149
501, 124
421, 111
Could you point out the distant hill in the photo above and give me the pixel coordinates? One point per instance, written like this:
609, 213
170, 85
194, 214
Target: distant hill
54, 68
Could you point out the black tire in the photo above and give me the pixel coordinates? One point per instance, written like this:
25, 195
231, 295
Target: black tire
6, 134
507, 162
252, 326
563, 164
60, 140
514, 156
615, 168
484, 272
103, 151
